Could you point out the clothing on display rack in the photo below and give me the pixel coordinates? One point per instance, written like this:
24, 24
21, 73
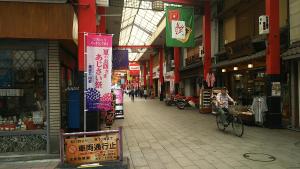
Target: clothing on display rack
210, 80
259, 107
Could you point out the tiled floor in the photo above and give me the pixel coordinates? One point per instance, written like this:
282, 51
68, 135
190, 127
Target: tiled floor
34, 164
162, 137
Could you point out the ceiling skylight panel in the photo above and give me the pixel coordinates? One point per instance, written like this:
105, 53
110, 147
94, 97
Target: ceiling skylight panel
138, 20
138, 24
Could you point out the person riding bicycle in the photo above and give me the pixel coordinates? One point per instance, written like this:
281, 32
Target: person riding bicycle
223, 99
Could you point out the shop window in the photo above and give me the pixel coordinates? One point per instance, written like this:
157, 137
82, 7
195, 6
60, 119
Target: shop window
246, 85
23, 93
23, 65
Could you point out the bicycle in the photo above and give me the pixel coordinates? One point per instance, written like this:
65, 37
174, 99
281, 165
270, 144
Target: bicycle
231, 118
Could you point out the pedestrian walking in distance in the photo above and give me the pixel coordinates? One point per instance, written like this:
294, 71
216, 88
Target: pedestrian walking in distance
132, 95
145, 94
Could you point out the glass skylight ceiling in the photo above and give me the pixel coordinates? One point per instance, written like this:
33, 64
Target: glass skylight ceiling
139, 22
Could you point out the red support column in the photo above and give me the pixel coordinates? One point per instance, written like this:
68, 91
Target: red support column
273, 116
207, 36
86, 23
273, 48
161, 73
151, 71
176, 69
145, 74
101, 28
161, 65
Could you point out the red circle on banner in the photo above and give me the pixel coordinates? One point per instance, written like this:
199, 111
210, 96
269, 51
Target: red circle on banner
72, 149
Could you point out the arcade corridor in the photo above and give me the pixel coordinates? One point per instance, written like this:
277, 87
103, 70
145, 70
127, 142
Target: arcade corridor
157, 136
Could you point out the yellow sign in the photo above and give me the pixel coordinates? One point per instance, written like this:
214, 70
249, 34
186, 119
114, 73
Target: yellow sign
92, 149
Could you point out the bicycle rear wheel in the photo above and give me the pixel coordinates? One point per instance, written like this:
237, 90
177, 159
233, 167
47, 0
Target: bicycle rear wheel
238, 126
220, 123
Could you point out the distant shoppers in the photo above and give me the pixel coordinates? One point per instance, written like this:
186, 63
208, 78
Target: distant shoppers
141, 93
132, 95
145, 94
150, 93
136, 92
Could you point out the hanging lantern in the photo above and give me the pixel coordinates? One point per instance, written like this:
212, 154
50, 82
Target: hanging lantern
158, 6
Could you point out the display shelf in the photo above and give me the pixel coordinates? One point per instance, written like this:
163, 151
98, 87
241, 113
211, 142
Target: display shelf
9, 92
205, 101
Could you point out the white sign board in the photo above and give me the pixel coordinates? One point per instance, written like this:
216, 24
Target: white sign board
178, 29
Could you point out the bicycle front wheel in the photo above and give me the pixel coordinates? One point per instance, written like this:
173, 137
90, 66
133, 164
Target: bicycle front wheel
238, 126
220, 123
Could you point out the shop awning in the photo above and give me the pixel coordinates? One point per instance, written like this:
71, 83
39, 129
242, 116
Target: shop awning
292, 53
240, 60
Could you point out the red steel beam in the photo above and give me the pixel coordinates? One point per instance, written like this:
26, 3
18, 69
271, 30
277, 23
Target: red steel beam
137, 46
151, 71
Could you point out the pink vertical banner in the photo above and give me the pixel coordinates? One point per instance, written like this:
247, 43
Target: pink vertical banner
99, 68
119, 96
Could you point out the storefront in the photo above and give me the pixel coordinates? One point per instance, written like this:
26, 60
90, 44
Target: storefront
291, 86
191, 80
33, 74
155, 81
244, 82
169, 84
23, 96
32, 63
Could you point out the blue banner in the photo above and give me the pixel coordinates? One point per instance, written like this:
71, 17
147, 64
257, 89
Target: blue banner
120, 60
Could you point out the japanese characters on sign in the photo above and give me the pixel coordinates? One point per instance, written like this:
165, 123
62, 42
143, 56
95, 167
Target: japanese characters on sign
180, 27
99, 67
134, 68
92, 149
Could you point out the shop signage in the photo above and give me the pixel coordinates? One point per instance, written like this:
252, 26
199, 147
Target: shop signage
119, 96
276, 89
120, 60
169, 76
180, 27
96, 146
155, 72
134, 68
99, 69
119, 103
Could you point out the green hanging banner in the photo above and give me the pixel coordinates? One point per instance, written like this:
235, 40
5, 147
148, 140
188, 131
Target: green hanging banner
180, 27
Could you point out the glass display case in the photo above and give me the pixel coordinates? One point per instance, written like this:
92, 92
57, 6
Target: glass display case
22, 91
